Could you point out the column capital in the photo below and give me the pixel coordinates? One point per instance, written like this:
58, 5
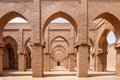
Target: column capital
76, 46
21, 53
38, 44
1, 45
72, 53
117, 45
47, 54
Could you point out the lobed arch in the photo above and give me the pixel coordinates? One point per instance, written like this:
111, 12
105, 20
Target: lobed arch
61, 38
10, 45
12, 41
25, 45
59, 46
57, 15
57, 53
102, 37
59, 50
113, 20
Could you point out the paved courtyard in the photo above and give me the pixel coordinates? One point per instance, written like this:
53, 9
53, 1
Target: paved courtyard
58, 73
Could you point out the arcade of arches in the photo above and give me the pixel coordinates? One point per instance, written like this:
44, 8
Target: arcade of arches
79, 45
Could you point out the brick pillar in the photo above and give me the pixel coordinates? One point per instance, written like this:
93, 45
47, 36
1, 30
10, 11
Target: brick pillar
51, 63
47, 62
104, 60
101, 62
54, 64
118, 61
37, 60
71, 62
94, 63
99, 66
1, 61
22, 62
82, 61
67, 62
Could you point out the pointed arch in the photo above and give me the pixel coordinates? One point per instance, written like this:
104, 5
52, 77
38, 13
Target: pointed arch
61, 38
112, 19
12, 41
10, 53
59, 46
57, 15
26, 42
91, 42
8, 16
59, 50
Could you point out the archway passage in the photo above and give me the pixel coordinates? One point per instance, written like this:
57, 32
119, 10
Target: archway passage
107, 23
4, 20
9, 58
63, 15
58, 63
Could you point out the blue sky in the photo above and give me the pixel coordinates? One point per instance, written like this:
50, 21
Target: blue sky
110, 37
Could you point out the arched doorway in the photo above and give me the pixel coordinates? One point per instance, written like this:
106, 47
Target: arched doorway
4, 20
49, 42
10, 56
108, 23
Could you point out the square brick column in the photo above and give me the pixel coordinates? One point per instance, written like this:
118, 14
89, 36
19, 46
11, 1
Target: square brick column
104, 62
22, 62
99, 65
118, 61
101, 62
46, 62
1, 61
54, 63
67, 62
94, 63
71, 62
51, 63
82, 61
37, 60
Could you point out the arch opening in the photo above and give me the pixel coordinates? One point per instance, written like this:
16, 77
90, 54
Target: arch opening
61, 15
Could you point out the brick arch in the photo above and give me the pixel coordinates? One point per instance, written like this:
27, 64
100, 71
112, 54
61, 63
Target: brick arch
91, 42
8, 16
26, 42
10, 44
61, 38
103, 37
59, 51
57, 15
113, 20
59, 46
12, 41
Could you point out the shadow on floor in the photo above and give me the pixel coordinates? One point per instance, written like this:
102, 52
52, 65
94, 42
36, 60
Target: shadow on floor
13, 73
97, 74
58, 75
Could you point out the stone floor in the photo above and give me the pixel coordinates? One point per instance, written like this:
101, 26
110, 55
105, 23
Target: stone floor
58, 73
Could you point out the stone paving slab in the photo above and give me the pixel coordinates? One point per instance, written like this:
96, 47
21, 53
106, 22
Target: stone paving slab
58, 74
